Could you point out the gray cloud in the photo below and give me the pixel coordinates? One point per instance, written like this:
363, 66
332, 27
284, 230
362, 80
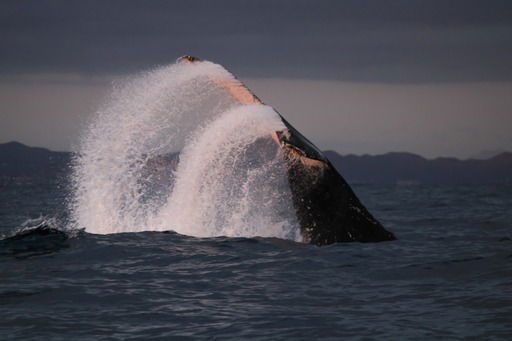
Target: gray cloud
324, 64
397, 41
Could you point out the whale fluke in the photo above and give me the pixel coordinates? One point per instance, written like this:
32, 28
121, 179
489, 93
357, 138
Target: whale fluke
327, 208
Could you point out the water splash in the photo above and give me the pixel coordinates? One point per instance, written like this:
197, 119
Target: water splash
231, 178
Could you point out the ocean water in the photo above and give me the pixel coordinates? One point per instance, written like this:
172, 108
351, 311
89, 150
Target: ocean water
177, 222
448, 276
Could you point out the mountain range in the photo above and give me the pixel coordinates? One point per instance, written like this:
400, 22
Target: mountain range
18, 161
407, 168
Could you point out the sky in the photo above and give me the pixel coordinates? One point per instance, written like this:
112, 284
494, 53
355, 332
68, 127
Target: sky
428, 77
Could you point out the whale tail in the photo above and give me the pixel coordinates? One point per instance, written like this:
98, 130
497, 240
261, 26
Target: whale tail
327, 208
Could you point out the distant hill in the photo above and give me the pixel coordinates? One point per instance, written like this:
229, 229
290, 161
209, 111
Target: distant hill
487, 154
20, 161
406, 168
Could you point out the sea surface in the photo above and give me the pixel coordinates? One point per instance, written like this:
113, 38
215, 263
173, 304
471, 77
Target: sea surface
447, 277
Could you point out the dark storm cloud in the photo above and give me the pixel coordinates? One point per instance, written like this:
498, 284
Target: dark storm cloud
378, 40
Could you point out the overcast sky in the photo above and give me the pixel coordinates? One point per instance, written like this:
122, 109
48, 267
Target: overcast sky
431, 77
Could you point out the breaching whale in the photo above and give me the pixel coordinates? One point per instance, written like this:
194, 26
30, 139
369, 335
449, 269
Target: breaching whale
327, 209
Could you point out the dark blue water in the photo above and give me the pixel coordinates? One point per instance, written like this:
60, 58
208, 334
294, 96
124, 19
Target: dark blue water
448, 276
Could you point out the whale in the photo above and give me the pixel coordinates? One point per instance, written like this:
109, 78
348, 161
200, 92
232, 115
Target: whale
327, 209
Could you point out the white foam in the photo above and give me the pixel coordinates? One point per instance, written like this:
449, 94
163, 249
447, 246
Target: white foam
220, 187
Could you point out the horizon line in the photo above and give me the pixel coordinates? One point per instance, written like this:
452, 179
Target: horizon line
492, 153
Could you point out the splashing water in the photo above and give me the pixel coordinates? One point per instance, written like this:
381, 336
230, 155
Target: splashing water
230, 180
